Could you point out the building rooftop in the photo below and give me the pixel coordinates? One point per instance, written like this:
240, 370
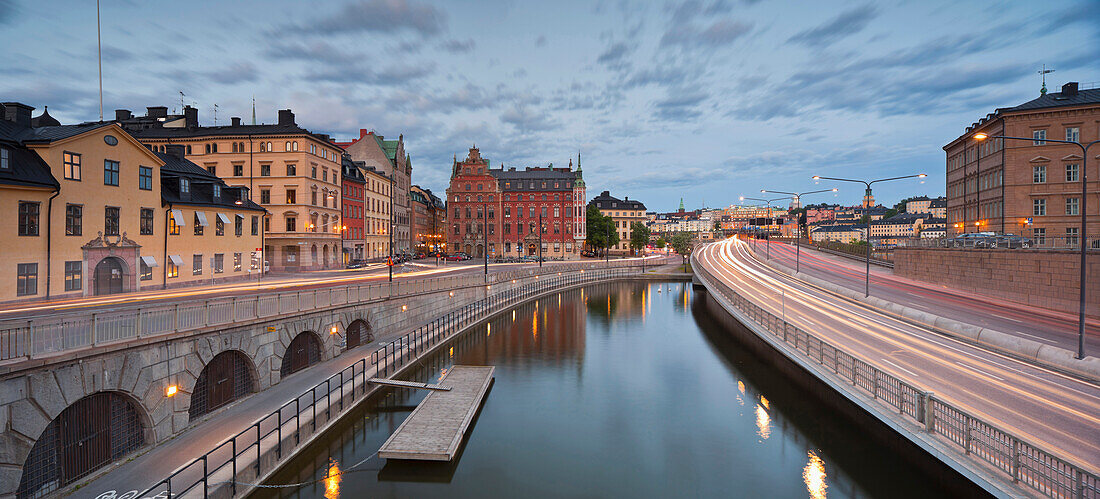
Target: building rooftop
605, 201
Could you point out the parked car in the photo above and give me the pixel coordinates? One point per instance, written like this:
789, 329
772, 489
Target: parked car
1011, 241
589, 253
355, 264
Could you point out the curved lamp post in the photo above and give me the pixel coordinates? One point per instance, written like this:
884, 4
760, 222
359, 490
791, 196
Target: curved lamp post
798, 226
867, 193
980, 136
767, 245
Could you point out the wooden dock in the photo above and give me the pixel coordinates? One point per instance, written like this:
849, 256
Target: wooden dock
434, 430
408, 384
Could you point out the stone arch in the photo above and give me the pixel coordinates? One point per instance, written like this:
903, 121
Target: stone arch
229, 376
359, 332
324, 254
304, 351
96, 430
110, 276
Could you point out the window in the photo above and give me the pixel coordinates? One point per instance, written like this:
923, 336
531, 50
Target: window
199, 224
291, 224
219, 225
217, 191
207, 148
324, 174
28, 218
313, 197
27, 279
219, 263
291, 170
5, 158
185, 186
238, 226
1039, 174
291, 196
146, 272
196, 265
1039, 207
1073, 206
507, 228
238, 170
265, 170
146, 225
145, 178
173, 227
1040, 235
172, 269
314, 172
1071, 236
265, 196
255, 225
1073, 134
72, 166
110, 172
1073, 173
1039, 137
110, 221
73, 276
213, 169
236, 262
74, 219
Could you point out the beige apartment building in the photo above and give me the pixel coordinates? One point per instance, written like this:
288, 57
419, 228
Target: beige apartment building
389, 158
623, 212
290, 171
377, 194
99, 213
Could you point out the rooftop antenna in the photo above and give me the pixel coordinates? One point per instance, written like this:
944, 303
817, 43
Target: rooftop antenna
215, 115
1044, 72
253, 109
181, 101
99, 44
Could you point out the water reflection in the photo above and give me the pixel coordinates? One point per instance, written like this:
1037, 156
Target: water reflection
763, 423
332, 483
814, 476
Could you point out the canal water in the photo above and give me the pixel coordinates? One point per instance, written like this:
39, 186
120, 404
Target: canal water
625, 389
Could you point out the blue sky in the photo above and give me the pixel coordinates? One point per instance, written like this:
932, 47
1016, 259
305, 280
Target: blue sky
701, 100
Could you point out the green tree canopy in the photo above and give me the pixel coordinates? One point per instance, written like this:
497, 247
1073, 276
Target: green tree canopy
681, 244
661, 243
602, 233
639, 236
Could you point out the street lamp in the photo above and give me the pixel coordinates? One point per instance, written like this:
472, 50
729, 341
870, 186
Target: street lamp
767, 245
980, 136
867, 193
797, 226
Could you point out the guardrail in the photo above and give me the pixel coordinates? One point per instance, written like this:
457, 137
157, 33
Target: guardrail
1024, 462
56, 333
244, 457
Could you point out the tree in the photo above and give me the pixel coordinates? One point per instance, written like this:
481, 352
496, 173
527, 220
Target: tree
602, 233
661, 243
681, 244
717, 225
891, 212
639, 236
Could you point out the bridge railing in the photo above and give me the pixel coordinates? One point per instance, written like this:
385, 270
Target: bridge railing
66, 331
1020, 460
243, 459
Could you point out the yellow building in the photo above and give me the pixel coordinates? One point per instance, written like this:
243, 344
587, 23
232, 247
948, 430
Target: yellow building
377, 199
293, 173
623, 212
93, 209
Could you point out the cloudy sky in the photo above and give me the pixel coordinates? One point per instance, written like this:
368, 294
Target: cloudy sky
701, 100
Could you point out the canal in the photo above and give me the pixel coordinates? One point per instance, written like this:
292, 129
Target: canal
625, 389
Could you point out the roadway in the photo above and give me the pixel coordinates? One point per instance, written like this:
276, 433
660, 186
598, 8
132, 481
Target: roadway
271, 283
1033, 323
1059, 413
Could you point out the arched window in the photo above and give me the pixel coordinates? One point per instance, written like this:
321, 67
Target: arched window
286, 147
188, 149
294, 146
263, 147
207, 148
214, 147
269, 148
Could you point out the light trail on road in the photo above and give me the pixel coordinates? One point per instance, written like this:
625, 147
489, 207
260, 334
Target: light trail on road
1057, 412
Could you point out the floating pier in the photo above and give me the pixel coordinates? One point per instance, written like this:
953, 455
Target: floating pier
434, 430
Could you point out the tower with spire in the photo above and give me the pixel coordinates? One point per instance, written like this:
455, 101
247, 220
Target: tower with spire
681, 205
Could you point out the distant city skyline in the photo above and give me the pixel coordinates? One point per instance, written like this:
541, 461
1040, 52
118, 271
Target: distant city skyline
699, 100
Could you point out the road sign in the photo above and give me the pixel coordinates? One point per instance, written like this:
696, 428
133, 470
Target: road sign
1029, 220
271, 329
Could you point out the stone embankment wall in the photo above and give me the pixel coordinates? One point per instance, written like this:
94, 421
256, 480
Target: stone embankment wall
1041, 278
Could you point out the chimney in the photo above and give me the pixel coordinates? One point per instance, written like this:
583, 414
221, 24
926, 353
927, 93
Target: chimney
286, 117
123, 114
190, 117
236, 121
18, 113
362, 132
156, 112
175, 150
1069, 89
606, 194
323, 136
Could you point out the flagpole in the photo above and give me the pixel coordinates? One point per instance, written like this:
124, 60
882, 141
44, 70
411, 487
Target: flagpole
99, 43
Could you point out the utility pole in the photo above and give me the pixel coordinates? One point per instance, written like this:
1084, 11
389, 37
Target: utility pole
99, 44
540, 239
485, 237
392, 173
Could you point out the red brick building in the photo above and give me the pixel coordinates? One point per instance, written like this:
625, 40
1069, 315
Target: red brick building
498, 212
1027, 187
352, 183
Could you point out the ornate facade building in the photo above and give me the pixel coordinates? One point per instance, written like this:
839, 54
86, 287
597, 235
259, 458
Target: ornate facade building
509, 212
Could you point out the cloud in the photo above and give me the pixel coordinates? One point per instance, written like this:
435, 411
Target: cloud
527, 120
614, 54
237, 72
458, 46
7, 11
540, 41
115, 54
392, 75
721, 32
311, 51
382, 16
848, 23
680, 104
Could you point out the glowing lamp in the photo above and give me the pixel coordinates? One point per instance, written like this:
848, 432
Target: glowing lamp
171, 390
981, 136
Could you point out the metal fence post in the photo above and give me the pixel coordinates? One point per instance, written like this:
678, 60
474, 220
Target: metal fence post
966, 437
928, 412
1015, 460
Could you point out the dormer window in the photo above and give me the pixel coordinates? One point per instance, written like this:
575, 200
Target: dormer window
185, 186
5, 158
217, 191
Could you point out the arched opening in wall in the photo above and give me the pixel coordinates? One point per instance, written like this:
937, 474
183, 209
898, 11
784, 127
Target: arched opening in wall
304, 351
109, 276
324, 253
313, 255
227, 377
532, 250
94, 431
480, 251
358, 333
469, 250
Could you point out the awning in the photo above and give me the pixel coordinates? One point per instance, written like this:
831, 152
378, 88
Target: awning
223, 218
149, 261
177, 215
176, 260
202, 219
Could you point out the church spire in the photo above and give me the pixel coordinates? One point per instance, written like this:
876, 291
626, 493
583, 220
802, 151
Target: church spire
681, 204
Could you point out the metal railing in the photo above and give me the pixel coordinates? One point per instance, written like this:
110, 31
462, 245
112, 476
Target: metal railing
59, 332
1024, 462
263, 445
